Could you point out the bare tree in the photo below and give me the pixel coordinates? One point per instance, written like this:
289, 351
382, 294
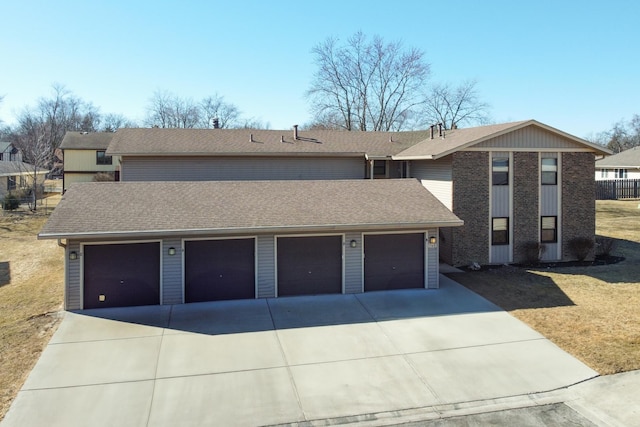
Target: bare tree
215, 107
40, 129
366, 85
170, 111
112, 122
622, 135
455, 106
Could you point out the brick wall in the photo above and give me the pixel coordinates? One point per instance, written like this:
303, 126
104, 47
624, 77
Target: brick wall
525, 202
470, 173
578, 199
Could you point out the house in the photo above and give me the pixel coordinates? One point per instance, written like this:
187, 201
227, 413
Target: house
207, 214
624, 165
9, 152
15, 175
84, 158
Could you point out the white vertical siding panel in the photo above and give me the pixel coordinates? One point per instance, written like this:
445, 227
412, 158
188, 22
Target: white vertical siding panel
551, 254
500, 201
172, 289
500, 253
549, 200
433, 262
435, 176
239, 168
266, 267
353, 279
73, 282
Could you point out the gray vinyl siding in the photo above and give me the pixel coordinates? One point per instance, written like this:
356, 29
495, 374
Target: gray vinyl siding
432, 262
353, 280
500, 201
435, 176
266, 267
240, 168
529, 138
172, 272
73, 294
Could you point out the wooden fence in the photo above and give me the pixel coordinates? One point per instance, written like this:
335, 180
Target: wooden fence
618, 189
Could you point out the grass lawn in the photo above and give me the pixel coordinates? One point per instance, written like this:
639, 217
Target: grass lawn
31, 283
590, 312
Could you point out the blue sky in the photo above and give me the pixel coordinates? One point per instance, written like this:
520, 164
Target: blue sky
574, 65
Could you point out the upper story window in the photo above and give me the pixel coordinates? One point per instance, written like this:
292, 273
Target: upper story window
102, 158
500, 171
621, 174
549, 171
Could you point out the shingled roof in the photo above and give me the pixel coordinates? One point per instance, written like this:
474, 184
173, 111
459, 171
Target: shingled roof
628, 159
411, 145
86, 140
143, 209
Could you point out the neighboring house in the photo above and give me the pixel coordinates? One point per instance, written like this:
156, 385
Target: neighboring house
15, 176
286, 213
624, 165
9, 152
84, 156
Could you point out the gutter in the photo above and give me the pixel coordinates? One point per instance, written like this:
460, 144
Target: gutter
249, 230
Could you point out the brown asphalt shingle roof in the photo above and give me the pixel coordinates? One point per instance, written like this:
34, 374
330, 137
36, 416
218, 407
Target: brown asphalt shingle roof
86, 141
626, 159
253, 142
127, 209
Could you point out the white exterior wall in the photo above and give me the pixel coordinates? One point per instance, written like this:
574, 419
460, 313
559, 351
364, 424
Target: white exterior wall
605, 174
435, 176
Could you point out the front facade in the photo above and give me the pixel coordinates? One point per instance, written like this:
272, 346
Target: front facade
511, 185
85, 159
18, 177
257, 240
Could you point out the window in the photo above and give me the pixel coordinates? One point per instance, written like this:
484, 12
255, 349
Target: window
604, 173
549, 171
500, 169
500, 231
102, 158
548, 229
379, 168
11, 183
621, 174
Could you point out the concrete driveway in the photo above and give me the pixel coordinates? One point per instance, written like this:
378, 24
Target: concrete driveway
312, 360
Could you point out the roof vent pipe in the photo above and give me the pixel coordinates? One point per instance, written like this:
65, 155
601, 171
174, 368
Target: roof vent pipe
281, 138
250, 137
295, 132
439, 129
431, 130
216, 123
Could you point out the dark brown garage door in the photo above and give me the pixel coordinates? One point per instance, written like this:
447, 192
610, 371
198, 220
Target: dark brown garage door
393, 261
121, 275
219, 270
309, 265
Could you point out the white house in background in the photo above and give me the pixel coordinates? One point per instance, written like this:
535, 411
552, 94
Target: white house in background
624, 165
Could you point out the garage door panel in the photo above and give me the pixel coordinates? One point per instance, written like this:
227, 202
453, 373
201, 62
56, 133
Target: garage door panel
219, 270
394, 261
121, 275
309, 265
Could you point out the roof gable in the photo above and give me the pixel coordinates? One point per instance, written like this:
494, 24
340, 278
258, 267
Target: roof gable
525, 135
227, 207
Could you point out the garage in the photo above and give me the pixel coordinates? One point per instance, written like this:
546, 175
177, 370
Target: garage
121, 275
394, 261
309, 265
219, 269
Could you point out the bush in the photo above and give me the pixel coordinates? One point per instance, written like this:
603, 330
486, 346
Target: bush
533, 251
10, 202
580, 247
605, 245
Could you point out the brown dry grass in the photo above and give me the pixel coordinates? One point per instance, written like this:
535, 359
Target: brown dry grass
591, 312
31, 283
